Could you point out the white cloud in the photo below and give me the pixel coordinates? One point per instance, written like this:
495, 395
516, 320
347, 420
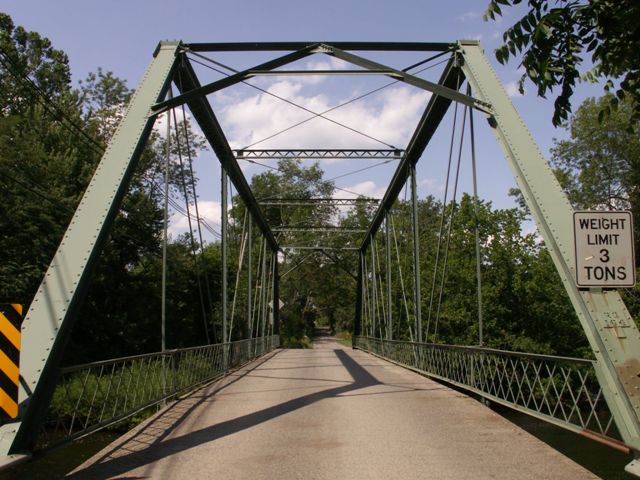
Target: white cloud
468, 16
367, 188
430, 185
210, 211
160, 124
390, 117
512, 89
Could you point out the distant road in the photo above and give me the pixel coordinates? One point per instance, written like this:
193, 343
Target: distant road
328, 413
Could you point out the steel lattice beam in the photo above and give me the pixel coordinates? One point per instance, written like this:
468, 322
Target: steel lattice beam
320, 154
319, 247
340, 230
305, 202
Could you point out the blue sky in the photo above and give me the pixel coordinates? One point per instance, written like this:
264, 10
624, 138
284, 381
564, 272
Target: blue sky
120, 36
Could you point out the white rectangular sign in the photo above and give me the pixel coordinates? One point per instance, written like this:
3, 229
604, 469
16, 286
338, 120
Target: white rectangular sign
604, 249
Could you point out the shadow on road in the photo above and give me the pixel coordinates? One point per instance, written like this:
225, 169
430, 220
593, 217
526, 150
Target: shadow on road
162, 447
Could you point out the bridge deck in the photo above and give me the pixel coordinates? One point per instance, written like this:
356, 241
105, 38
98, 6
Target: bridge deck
328, 413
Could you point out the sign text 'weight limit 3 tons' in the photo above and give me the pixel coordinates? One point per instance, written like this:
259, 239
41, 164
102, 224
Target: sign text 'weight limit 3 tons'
604, 249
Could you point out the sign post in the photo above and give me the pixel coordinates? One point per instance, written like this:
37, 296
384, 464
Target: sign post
604, 249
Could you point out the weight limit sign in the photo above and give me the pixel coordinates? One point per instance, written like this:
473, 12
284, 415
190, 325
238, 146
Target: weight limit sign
604, 249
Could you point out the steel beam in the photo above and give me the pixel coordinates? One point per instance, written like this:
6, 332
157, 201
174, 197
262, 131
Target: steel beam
48, 323
249, 272
416, 254
388, 260
334, 202
318, 248
435, 88
342, 230
276, 293
357, 327
320, 154
434, 113
198, 92
612, 333
186, 80
284, 46
224, 224
305, 73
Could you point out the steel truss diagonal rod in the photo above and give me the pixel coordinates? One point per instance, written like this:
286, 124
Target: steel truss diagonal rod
318, 154
201, 91
609, 328
187, 80
431, 118
436, 88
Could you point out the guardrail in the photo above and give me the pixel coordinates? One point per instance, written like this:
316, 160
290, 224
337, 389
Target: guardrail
93, 396
560, 390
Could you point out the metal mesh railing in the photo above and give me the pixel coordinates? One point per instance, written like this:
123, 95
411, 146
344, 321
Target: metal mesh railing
560, 390
95, 395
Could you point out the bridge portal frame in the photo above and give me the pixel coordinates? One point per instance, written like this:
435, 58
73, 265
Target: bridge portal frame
612, 334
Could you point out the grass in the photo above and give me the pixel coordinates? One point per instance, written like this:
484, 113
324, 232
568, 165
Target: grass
344, 338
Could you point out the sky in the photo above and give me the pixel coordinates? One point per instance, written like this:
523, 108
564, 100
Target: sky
120, 36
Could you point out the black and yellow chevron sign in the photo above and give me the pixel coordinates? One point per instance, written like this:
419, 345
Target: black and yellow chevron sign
10, 322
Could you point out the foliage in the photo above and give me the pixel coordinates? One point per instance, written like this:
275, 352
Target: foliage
599, 168
554, 37
51, 138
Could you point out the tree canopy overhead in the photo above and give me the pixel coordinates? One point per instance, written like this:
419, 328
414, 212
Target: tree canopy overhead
555, 37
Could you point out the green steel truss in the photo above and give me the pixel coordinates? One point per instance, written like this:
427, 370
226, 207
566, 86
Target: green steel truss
613, 336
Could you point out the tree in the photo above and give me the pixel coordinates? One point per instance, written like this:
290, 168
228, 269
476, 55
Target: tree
51, 139
599, 167
26, 55
553, 40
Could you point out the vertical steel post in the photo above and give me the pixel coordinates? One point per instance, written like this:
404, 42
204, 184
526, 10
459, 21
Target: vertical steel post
225, 246
374, 288
477, 225
263, 292
165, 234
416, 254
249, 272
359, 287
389, 301
276, 294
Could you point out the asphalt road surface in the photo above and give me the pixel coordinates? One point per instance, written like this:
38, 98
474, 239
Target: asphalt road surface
328, 413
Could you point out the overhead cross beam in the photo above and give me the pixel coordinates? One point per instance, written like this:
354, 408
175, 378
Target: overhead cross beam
305, 202
354, 46
320, 154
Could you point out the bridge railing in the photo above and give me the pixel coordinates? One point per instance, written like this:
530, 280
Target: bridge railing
93, 396
560, 390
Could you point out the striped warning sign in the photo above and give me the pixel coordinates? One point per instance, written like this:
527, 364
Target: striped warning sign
10, 322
